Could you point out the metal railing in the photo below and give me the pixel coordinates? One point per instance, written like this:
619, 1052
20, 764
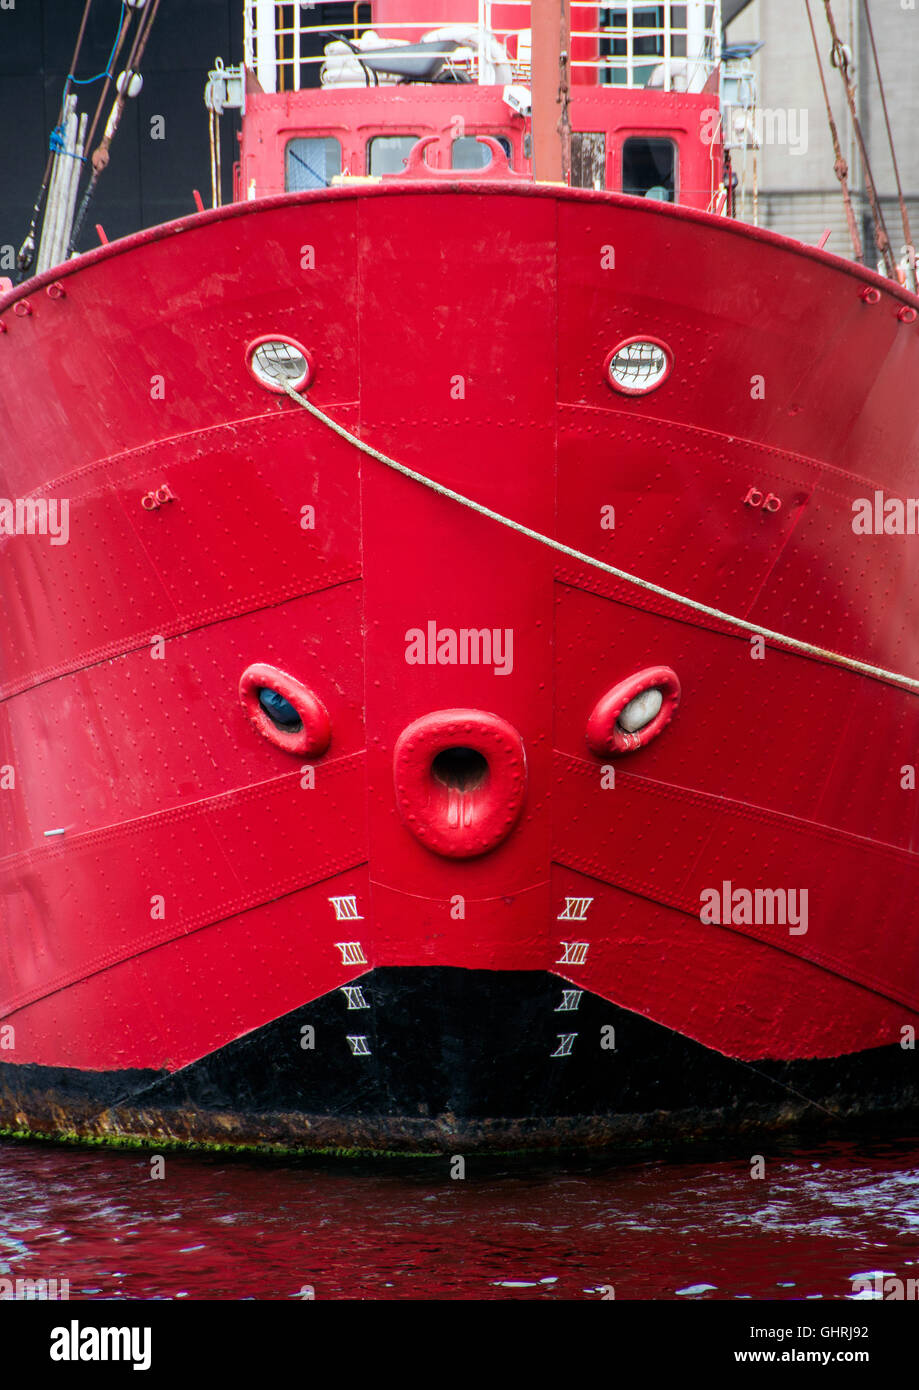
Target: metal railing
631, 44
667, 45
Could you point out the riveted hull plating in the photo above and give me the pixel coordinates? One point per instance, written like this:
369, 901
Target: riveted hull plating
209, 884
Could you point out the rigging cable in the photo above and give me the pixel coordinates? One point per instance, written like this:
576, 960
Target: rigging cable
910, 249
840, 59
100, 156
26, 254
116, 50
840, 168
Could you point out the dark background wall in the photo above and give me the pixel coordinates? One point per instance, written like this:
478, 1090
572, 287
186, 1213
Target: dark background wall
147, 181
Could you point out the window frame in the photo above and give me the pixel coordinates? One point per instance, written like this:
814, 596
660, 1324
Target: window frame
504, 140
313, 135
671, 138
387, 135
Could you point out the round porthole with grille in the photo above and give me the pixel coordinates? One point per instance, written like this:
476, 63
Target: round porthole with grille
273, 361
638, 365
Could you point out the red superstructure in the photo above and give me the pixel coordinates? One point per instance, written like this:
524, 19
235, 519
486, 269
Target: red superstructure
336, 812
676, 119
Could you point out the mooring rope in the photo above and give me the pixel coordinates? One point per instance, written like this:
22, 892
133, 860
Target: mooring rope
793, 643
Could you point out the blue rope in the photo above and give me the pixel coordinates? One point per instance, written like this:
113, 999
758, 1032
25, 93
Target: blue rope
56, 144
88, 81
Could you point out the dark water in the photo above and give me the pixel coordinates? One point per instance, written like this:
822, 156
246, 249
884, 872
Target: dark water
239, 1229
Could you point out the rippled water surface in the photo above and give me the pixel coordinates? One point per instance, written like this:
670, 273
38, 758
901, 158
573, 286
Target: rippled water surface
236, 1229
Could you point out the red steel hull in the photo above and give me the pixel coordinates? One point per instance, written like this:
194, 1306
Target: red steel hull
461, 329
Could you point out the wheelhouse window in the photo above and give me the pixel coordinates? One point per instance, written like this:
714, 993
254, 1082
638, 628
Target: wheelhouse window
649, 168
385, 153
311, 162
469, 153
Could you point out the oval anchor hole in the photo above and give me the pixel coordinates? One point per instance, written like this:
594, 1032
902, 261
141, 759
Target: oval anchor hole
461, 769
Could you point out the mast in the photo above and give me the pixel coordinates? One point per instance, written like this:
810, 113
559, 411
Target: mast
551, 23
